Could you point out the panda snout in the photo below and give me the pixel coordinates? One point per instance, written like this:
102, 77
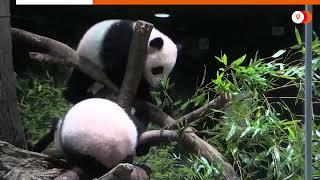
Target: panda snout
157, 70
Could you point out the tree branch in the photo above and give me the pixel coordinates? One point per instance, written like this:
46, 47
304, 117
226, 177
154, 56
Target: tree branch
16, 163
63, 54
217, 103
135, 65
188, 138
155, 137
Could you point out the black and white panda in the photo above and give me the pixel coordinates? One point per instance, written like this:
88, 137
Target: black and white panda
106, 44
96, 134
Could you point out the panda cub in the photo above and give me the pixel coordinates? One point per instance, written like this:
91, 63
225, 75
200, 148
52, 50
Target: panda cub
107, 44
96, 134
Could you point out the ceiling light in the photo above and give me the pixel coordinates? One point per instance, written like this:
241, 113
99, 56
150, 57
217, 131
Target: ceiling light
162, 15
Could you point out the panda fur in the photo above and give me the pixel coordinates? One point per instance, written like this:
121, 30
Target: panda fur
96, 134
107, 44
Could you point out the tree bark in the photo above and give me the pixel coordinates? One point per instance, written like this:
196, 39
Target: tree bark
11, 127
17, 163
135, 65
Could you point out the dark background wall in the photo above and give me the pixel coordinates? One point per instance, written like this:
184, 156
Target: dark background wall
236, 30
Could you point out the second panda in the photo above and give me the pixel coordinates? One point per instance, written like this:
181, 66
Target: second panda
106, 44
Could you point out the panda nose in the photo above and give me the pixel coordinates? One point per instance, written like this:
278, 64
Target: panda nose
157, 70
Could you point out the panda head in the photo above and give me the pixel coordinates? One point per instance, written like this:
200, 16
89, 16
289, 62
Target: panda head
161, 58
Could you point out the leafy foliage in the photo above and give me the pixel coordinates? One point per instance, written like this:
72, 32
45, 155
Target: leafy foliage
262, 137
40, 102
168, 165
253, 134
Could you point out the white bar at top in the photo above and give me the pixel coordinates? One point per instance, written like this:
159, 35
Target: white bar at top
54, 2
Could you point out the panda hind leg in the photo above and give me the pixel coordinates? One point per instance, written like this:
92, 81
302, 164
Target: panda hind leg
77, 87
46, 139
141, 149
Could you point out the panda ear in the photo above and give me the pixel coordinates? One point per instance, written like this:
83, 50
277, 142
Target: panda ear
156, 43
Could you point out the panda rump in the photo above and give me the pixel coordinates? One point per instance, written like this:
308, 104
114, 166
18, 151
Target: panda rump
97, 128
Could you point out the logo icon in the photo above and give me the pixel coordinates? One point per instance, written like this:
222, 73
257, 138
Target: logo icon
301, 17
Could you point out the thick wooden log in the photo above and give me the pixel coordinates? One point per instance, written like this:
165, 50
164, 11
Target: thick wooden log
11, 127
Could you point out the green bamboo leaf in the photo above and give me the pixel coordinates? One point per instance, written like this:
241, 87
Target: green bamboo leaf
279, 53
245, 131
256, 132
298, 37
231, 132
234, 151
240, 60
199, 99
184, 105
205, 161
291, 133
276, 153
224, 59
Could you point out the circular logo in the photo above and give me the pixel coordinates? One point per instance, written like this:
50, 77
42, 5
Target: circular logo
297, 17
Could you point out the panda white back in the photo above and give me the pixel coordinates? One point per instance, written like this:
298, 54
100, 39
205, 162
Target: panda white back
91, 44
97, 128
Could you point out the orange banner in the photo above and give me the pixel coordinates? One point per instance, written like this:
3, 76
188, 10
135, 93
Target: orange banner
206, 2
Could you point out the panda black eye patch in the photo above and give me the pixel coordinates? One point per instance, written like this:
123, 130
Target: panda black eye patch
157, 70
156, 43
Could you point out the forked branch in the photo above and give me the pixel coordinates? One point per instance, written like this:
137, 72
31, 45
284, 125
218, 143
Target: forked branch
63, 54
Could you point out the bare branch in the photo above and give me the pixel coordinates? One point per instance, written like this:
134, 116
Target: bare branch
17, 163
188, 138
66, 54
192, 143
216, 103
141, 173
152, 113
122, 171
75, 173
155, 137
41, 57
135, 65
196, 145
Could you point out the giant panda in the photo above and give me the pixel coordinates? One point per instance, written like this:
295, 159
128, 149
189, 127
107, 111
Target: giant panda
96, 134
106, 44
